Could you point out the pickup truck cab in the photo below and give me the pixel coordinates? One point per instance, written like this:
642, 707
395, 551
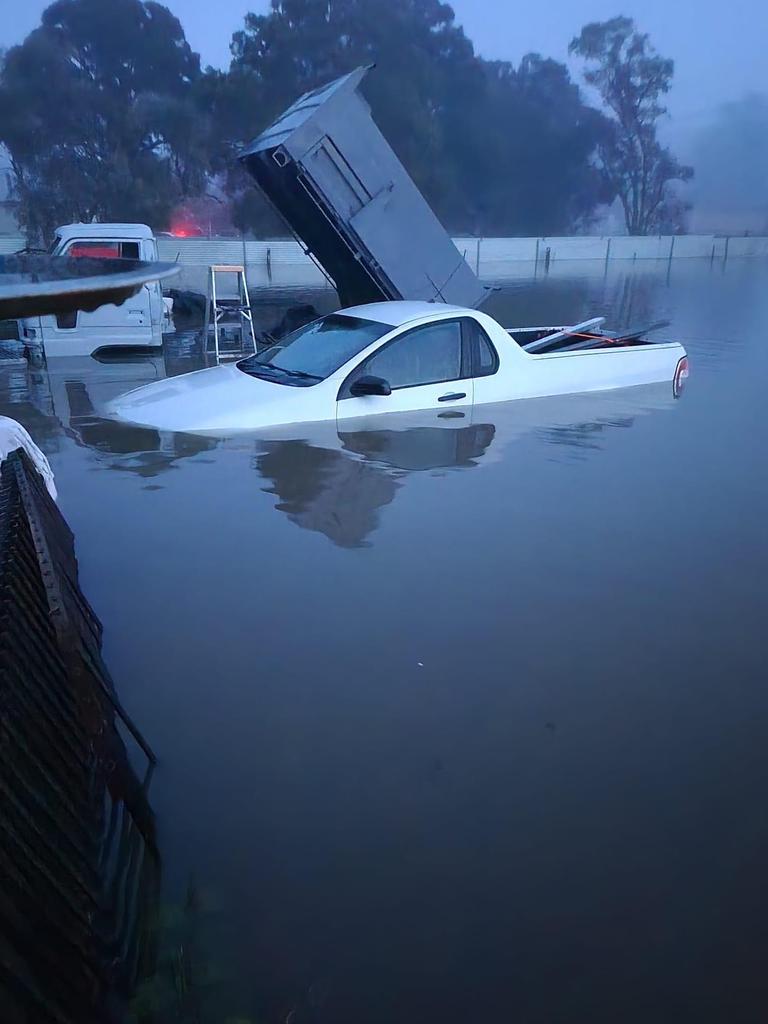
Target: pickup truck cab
395, 357
138, 323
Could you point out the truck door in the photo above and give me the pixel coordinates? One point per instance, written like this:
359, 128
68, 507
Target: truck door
426, 367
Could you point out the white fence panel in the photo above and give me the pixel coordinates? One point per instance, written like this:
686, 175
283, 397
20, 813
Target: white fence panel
576, 248
282, 263
690, 246
629, 247
747, 246
200, 252
504, 250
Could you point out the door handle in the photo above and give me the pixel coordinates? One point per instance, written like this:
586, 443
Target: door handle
452, 396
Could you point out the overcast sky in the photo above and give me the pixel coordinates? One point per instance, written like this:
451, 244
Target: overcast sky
719, 46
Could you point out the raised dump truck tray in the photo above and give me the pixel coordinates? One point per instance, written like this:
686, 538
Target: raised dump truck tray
329, 171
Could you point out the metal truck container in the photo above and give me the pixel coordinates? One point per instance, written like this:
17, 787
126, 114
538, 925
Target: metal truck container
328, 170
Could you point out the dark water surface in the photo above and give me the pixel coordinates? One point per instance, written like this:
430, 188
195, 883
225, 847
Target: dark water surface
461, 722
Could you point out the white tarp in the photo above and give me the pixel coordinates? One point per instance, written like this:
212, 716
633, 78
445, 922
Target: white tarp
12, 437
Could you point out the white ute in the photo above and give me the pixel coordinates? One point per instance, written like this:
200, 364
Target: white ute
138, 323
393, 357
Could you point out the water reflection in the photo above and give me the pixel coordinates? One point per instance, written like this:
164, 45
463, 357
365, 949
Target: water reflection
421, 448
585, 436
331, 491
330, 481
337, 482
149, 452
324, 490
64, 398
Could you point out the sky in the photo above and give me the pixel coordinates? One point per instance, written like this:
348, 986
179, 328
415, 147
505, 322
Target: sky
718, 46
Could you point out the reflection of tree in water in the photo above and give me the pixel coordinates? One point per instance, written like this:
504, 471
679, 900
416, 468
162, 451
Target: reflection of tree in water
337, 494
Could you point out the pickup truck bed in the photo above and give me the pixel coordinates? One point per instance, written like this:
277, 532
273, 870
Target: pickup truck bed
586, 335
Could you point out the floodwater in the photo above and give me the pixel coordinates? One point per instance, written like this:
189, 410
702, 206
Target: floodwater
458, 720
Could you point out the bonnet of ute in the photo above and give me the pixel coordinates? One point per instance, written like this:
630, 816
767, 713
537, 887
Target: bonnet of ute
291, 381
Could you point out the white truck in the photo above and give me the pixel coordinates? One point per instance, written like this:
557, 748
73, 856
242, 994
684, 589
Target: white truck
396, 357
138, 323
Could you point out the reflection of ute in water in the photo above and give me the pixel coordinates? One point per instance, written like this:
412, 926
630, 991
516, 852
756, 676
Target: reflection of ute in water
335, 480
323, 490
421, 448
332, 492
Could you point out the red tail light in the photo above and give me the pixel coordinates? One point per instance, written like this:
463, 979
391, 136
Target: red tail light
681, 376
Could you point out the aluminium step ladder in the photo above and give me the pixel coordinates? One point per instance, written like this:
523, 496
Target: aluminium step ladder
221, 310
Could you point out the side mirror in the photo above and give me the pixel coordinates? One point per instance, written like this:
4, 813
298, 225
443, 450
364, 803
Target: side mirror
369, 385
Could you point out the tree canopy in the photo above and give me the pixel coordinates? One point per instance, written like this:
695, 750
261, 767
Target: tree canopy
106, 114
631, 79
494, 148
97, 114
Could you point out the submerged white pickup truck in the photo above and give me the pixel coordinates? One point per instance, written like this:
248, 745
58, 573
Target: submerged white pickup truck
138, 322
393, 357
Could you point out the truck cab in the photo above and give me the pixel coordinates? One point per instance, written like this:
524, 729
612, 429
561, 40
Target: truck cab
136, 324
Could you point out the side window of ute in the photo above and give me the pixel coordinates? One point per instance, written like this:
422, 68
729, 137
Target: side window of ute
426, 355
485, 360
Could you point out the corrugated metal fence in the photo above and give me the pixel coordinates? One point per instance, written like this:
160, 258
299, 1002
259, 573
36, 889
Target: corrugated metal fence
78, 855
